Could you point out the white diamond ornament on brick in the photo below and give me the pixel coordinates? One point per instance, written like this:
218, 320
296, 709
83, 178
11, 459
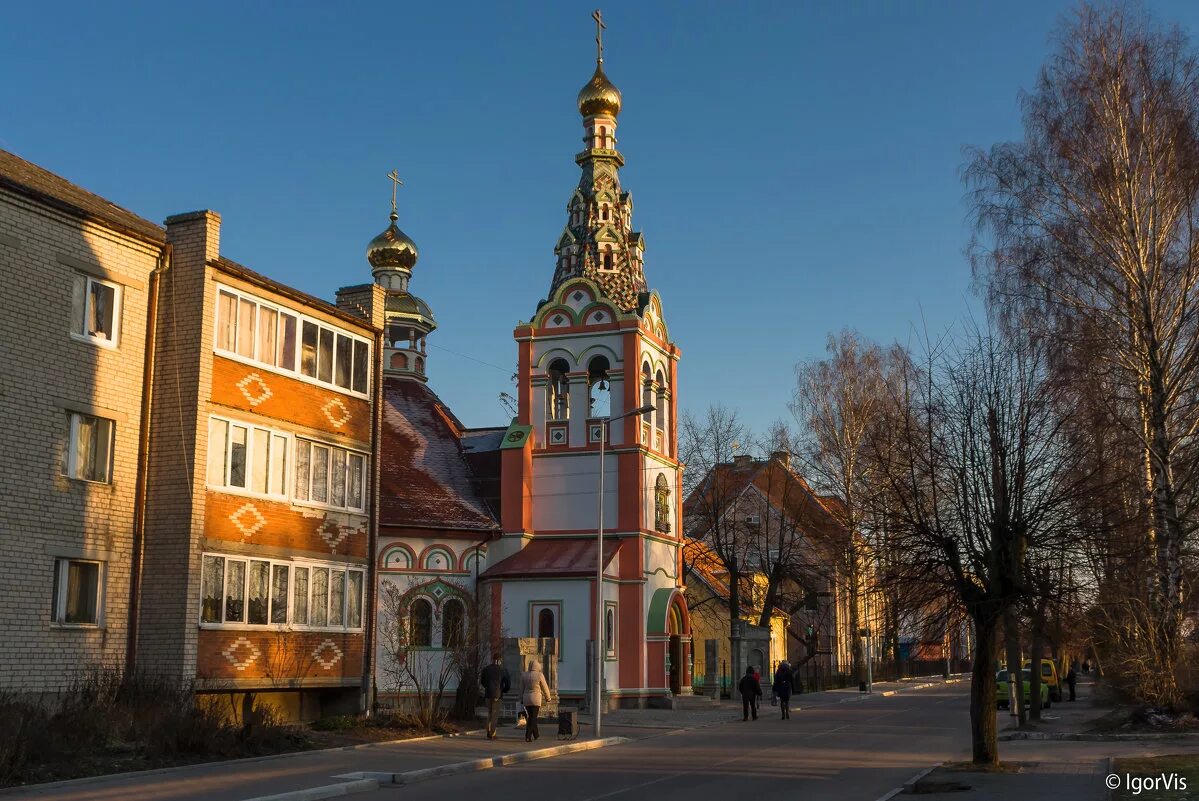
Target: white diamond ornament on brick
249, 657
254, 388
248, 519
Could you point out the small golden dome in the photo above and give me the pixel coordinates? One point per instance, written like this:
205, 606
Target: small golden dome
599, 95
392, 249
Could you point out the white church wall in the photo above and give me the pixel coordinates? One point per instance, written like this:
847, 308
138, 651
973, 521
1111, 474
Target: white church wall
573, 598
566, 492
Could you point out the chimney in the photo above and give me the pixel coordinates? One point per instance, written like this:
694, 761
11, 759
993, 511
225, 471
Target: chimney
742, 460
782, 457
195, 236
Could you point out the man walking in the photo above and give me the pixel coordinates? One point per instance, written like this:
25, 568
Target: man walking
751, 691
1071, 681
495, 681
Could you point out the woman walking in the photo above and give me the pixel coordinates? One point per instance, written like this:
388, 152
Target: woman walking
782, 687
534, 691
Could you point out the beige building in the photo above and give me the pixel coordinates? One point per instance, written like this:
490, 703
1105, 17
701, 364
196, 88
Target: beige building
77, 276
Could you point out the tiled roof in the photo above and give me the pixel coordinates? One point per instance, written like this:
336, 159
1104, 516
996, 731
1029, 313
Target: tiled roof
553, 557
27, 178
426, 479
786, 490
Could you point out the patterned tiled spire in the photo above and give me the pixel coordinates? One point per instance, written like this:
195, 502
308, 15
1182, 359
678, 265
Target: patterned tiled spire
598, 241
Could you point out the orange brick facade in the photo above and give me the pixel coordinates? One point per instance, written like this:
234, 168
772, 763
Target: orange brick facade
254, 522
278, 659
257, 390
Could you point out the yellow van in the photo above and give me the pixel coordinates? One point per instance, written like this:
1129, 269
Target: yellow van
1050, 678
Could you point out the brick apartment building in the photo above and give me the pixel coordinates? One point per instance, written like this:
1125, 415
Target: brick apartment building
77, 275
199, 503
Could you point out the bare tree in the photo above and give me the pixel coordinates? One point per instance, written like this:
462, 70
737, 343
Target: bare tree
711, 493
837, 402
410, 665
975, 466
1094, 217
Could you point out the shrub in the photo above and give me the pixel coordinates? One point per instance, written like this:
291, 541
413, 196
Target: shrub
335, 723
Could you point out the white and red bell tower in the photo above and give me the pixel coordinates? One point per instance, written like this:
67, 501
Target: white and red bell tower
596, 348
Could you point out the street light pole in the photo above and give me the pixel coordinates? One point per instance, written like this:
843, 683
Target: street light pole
599, 646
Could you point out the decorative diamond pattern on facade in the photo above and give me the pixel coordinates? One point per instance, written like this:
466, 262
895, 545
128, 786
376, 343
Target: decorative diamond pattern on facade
248, 519
559, 319
241, 653
337, 412
557, 435
333, 534
327, 654
254, 388
578, 296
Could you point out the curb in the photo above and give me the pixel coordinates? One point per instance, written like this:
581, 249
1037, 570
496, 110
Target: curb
459, 768
907, 786
129, 774
327, 791
1096, 738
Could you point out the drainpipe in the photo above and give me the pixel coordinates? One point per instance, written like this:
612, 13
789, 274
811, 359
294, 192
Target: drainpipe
368, 624
143, 460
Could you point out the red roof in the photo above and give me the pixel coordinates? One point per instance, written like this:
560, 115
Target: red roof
426, 478
553, 557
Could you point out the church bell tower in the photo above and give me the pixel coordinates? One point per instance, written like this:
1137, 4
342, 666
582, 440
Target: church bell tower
596, 348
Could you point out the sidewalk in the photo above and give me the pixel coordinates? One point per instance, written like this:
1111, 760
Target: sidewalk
730, 709
252, 778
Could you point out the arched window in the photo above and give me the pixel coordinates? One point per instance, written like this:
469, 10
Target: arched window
607, 259
660, 412
420, 365
557, 405
599, 392
453, 624
603, 136
420, 623
647, 386
662, 504
603, 212
610, 629
545, 624
399, 361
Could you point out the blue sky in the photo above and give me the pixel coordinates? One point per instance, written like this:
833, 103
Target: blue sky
795, 166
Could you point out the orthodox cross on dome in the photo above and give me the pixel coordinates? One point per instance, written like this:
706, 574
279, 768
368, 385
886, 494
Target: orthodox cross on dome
598, 16
396, 183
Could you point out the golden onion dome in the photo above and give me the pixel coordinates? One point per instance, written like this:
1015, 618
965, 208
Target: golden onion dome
392, 249
599, 95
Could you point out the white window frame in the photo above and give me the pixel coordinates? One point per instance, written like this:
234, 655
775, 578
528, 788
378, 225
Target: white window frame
288, 459
343, 567
300, 442
297, 371
62, 571
71, 458
77, 326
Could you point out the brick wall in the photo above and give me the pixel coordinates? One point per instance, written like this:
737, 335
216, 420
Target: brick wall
47, 373
175, 487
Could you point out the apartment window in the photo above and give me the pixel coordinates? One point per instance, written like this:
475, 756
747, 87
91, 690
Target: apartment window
257, 331
270, 592
329, 475
95, 309
246, 457
77, 592
89, 448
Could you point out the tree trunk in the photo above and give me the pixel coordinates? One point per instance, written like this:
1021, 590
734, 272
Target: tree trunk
984, 742
1034, 681
1015, 679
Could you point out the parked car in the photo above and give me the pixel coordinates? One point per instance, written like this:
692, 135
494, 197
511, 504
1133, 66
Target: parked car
1049, 677
1003, 694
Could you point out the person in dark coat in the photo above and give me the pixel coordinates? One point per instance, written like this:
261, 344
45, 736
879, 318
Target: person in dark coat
1071, 681
496, 682
783, 687
751, 691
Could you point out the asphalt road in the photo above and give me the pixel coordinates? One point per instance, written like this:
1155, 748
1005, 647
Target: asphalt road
852, 752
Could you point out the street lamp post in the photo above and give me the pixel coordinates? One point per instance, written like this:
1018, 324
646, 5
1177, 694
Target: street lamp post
599, 645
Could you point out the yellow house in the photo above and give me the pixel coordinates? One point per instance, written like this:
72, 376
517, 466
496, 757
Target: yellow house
707, 594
